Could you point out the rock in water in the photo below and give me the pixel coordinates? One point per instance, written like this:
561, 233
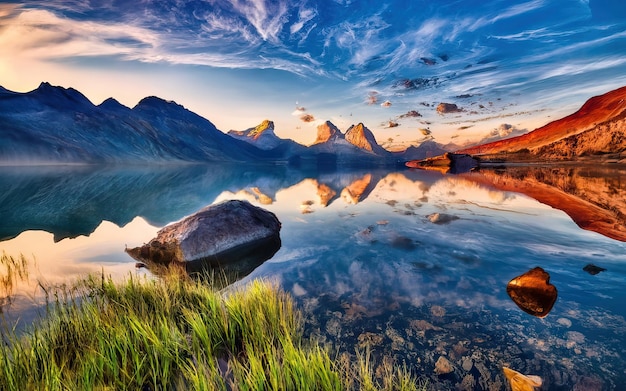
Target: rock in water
532, 292
520, 382
443, 366
593, 269
221, 234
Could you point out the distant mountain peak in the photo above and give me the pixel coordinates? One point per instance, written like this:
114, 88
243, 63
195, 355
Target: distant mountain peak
112, 104
360, 136
262, 135
56, 95
265, 126
327, 132
44, 85
156, 102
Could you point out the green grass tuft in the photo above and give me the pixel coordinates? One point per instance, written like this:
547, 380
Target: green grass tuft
177, 334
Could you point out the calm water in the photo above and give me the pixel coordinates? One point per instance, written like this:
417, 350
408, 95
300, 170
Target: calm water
363, 258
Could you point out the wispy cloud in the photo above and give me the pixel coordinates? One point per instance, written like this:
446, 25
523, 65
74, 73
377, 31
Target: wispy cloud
267, 17
491, 46
305, 15
43, 35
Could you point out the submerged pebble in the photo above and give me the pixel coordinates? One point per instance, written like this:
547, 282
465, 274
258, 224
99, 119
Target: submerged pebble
564, 322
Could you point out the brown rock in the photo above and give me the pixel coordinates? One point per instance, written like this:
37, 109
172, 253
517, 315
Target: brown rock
218, 234
443, 366
520, 382
532, 292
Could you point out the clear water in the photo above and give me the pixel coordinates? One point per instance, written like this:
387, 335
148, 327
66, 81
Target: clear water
368, 267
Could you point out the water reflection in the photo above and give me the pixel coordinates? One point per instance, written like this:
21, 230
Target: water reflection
593, 196
413, 264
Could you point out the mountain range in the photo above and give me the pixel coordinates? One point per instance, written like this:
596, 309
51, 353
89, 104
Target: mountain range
598, 128
60, 125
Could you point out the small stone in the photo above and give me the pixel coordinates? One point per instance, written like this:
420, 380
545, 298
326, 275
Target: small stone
588, 384
422, 325
443, 366
369, 339
564, 322
441, 218
468, 364
593, 269
521, 382
438, 311
575, 336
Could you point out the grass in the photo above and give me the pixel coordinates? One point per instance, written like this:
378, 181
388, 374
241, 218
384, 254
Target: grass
12, 271
175, 333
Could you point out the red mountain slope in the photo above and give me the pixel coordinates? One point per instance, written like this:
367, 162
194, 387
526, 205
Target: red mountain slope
595, 111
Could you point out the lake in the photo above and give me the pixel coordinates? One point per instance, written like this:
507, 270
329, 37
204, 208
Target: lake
412, 265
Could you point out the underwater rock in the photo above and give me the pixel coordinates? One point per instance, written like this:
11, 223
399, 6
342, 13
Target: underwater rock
532, 292
593, 269
221, 234
520, 382
468, 364
564, 322
443, 366
441, 218
588, 384
369, 339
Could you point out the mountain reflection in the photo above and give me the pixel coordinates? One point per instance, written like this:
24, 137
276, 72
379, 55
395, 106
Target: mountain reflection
593, 196
74, 200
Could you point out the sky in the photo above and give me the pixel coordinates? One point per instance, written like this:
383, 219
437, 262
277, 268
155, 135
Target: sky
509, 66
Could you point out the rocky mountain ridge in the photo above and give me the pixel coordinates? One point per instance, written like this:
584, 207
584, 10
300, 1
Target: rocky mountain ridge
60, 125
262, 136
597, 128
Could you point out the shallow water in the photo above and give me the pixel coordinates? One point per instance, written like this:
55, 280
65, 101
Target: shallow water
367, 264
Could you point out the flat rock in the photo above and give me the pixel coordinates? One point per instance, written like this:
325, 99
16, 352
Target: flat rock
221, 233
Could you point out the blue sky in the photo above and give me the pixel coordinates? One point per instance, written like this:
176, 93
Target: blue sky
510, 66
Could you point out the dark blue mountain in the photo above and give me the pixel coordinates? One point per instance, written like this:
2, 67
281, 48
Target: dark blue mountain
58, 125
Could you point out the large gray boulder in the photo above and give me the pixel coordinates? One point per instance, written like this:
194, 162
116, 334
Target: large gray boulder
217, 235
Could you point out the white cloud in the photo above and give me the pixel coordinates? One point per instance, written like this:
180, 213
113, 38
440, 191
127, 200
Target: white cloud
305, 15
267, 17
40, 34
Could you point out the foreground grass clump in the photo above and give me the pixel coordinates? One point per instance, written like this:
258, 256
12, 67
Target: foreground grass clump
179, 334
